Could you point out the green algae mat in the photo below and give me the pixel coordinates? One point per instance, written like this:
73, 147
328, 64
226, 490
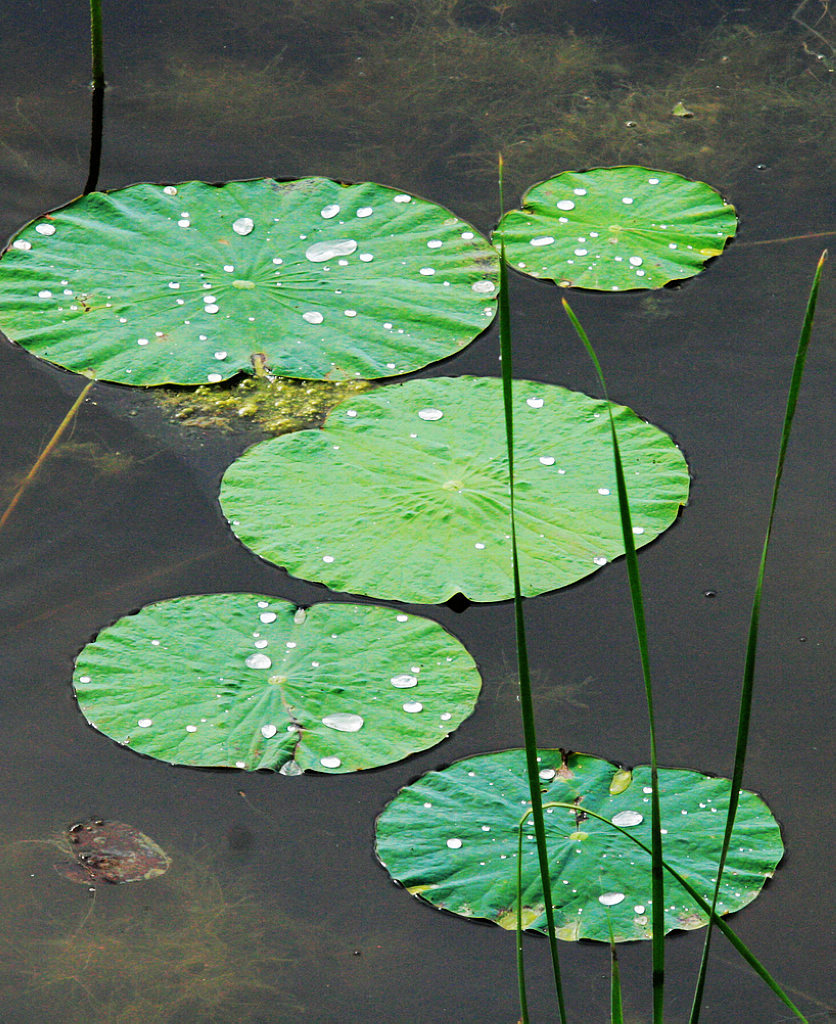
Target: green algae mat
192, 283
251, 681
403, 494
617, 228
451, 838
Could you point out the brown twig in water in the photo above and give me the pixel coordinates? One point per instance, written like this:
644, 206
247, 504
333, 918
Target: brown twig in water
56, 437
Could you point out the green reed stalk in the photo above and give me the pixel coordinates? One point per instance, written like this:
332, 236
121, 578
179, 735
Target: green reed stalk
97, 111
526, 701
616, 1004
53, 441
97, 43
747, 689
657, 874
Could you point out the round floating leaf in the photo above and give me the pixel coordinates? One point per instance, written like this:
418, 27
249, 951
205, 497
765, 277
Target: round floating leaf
617, 228
245, 681
152, 284
451, 838
403, 494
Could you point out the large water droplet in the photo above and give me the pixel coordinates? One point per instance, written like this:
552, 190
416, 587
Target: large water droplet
404, 681
611, 899
268, 731
430, 414
330, 762
243, 226
343, 721
319, 252
454, 844
627, 818
258, 661
413, 706
290, 768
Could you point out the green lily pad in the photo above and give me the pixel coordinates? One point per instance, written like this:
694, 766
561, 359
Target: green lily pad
451, 838
249, 681
186, 284
617, 228
403, 494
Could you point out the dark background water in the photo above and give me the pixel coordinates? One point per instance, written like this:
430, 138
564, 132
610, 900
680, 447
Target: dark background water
423, 95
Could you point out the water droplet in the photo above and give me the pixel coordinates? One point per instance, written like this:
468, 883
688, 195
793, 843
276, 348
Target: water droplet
534, 403
430, 414
330, 762
191, 728
434, 243
45, 229
579, 191
229, 268
327, 212
403, 681
603, 490
638, 530
170, 190
365, 211
243, 226
288, 768
483, 288
402, 198
627, 818
266, 617
454, 844
611, 899
445, 716
366, 257
343, 721
413, 707
479, 546
647, 789
214, 378
183, 223
45, 294
547, 774
23, 246
709, 593
319, 252
143, 723
600, 560
546, 460
402, 618
542, 240
426, 271
350, 312
627, 200
636, 261
312, 317
268, 731
210, 308
258, 661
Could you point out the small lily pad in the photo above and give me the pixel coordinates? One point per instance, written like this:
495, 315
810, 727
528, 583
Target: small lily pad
451, 838
190, 283
421, 470
250, 681
617, 228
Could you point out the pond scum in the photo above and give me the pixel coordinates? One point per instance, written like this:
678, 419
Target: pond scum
198, 946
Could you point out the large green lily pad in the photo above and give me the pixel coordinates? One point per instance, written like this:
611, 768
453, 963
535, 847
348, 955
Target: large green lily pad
403, 494
617, 228
250, 681
451, 838
188, 283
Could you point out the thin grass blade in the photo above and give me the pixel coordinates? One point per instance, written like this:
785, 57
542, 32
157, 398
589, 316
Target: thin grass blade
747, 688
657, 873
526, 700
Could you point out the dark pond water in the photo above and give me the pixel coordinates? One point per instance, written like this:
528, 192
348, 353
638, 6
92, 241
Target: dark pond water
275, 908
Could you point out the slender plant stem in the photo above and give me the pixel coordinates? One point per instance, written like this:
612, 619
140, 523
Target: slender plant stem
520, 958
747, 688
98, 82
53, 441
526, 700
657, 873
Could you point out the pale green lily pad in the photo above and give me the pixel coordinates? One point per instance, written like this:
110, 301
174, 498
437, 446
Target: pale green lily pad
451, 838
249, 681
152, 284
616, 228
403, 494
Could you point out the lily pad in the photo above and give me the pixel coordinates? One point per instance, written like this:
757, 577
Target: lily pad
617, 228
185, 284
451, 838
110, 851
403, 494
249, 681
